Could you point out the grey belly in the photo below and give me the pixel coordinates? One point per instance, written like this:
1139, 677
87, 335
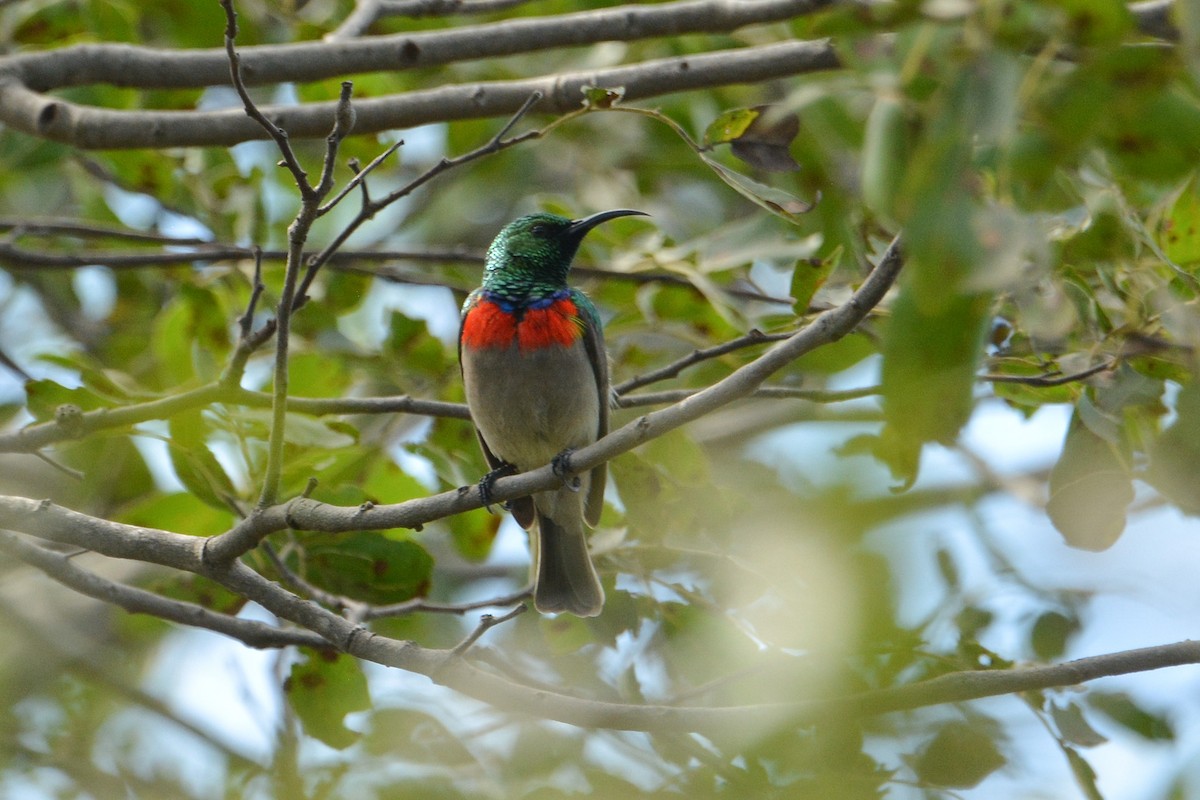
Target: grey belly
531, 406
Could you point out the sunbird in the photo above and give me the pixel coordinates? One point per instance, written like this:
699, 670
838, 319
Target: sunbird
535, 372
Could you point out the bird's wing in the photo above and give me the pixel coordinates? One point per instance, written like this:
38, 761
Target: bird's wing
593, 341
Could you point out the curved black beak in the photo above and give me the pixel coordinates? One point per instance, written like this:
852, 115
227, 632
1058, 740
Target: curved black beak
579, 227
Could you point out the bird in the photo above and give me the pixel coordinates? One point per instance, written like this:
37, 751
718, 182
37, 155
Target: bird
535, 374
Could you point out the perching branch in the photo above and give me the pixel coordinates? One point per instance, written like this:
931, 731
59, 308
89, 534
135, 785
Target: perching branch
306, 514
445, 667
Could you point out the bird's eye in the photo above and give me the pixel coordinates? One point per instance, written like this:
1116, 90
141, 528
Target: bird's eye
540, 230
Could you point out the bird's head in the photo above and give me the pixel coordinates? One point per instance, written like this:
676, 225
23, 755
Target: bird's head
541, 246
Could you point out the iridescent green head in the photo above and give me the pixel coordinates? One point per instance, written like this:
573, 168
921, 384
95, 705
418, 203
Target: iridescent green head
535, 251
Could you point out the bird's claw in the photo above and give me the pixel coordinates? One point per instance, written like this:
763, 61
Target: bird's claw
487, 481
561, 465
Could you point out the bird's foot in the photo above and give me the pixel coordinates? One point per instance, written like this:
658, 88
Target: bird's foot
487, 481
561, 465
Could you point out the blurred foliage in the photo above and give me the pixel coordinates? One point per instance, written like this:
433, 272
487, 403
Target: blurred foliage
1039, 157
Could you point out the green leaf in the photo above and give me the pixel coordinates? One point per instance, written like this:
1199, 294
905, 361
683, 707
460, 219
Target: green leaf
930, 360
602, 97
303, 430
760, 136
1085, 776
201, 591
809, 275
366, 565
190, 335
565, 634
111, 385
1073, 727
730, 125
1175, 454
317, 375
420, 737
344, 291
1050, 633
474, 532
195, 465
1023, 396
180, 512
322, 689
837, 356
1121, 709
885, 156
1179, 230
46, 400
777, 201
1090, 488
959, 756
1096, 21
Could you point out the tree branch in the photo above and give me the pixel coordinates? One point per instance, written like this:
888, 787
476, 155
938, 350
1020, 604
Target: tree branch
139, 601
307, 514
93, 128
157, 68
125, 541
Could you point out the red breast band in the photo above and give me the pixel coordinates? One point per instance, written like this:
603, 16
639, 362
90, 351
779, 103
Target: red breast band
488, 325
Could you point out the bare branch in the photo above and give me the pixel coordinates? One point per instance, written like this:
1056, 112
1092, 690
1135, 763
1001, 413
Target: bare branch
139, 601
93, 128
1052, 379
306, 514
125, 541
486, 623
157, 68
371, 208
34, 437
773, 392
89, 230
251, 109
12, 366
695, 357
360, 178
420, 604
343, 124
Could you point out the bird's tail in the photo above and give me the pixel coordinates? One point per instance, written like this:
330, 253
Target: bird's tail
566, 579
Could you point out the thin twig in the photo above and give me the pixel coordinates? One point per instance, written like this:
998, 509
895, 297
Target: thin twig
274, 131
419, 604
14, 367
350, 607
1052, 379
70, 472
246, 320
310, 201
486, 623
772, 392
696, 356
50, 226
342, 126
369, 210
360, 177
